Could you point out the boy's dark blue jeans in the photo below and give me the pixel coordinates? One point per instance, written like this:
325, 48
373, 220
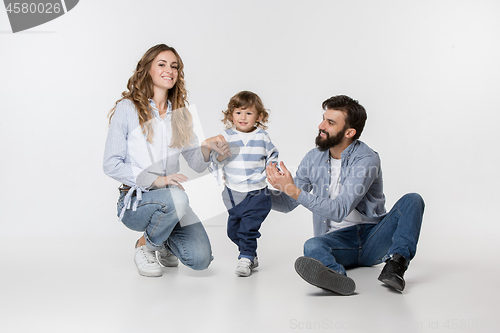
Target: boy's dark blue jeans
246, 211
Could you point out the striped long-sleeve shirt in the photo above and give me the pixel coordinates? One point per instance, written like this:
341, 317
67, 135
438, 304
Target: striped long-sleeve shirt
245, 170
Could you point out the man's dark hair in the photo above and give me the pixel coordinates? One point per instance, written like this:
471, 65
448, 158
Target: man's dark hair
355, 112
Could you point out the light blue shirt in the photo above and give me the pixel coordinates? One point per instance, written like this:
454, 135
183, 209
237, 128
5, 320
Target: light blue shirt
361, 187
130, 159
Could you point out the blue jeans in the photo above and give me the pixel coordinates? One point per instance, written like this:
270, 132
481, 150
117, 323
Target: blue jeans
245, 218
165, 217
371, 244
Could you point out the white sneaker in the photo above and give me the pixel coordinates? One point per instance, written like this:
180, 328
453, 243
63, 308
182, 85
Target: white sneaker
146, 262
245, 266
167, 258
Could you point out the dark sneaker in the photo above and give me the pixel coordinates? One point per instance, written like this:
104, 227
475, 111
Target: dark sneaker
317, 274
392, 274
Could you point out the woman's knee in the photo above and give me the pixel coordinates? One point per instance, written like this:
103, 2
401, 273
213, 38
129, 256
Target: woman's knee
180, 201
200, 261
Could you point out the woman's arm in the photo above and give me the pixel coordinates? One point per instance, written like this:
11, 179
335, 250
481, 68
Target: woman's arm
217, 143
115, 151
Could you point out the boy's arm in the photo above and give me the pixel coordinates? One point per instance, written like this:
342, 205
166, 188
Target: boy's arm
272, 151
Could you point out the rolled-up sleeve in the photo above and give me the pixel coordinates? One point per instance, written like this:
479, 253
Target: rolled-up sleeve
115, 151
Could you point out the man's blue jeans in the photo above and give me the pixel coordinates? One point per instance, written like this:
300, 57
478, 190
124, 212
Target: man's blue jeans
371, 244
165, 217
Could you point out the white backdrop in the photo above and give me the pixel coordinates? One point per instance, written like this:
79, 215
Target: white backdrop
427, 72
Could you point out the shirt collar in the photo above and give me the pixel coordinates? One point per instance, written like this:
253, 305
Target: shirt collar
155, 109
349, 150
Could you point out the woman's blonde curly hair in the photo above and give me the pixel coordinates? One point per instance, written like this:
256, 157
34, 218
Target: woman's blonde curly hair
140, 90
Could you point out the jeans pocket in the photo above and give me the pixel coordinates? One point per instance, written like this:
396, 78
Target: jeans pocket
119, 204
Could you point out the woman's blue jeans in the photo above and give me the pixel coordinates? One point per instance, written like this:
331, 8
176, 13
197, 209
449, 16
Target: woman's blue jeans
165, 217
371, 244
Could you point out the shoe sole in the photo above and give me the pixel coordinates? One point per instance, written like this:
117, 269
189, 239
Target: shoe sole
169, 264
391, 283
148, 274
317, 274
243, 274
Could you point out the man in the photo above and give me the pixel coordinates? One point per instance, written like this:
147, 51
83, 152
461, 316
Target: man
340, 181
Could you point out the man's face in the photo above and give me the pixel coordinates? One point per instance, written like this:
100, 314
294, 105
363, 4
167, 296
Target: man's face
331, 130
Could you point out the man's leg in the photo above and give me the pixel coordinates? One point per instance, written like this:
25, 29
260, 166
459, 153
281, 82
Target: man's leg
325, 258
336, 250
394, 239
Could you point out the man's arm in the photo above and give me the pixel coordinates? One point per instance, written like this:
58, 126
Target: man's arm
360, 177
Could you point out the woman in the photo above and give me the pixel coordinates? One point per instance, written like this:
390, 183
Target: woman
150, 127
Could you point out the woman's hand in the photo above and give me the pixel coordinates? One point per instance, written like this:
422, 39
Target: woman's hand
175, 179
217, 143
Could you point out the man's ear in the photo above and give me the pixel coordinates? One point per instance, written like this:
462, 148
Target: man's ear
350, 133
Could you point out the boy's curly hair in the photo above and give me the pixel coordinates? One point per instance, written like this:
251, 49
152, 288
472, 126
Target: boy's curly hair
245, 99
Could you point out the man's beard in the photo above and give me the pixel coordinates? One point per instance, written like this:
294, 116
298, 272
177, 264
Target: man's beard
328, 142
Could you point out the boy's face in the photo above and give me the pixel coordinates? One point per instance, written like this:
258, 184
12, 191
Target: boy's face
245, 119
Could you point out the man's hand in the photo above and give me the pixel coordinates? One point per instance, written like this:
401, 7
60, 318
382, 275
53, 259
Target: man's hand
282, 180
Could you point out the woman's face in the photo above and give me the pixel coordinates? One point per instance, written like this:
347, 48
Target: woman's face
164, 70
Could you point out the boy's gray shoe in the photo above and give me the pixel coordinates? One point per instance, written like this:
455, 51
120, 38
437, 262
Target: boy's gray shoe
245, 266
317, 274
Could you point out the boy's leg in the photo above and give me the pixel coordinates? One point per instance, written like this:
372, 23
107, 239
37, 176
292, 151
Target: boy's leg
233, 210
255, 209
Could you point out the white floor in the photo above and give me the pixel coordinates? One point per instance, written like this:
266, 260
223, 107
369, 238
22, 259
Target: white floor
49, 286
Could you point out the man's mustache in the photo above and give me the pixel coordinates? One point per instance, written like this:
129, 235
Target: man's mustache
324, 132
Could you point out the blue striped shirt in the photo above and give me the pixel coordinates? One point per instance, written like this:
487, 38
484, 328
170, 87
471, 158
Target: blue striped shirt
245, 170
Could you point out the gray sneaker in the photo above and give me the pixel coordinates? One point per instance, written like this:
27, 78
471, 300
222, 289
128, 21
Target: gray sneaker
167, 258
146, 262
245, 266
